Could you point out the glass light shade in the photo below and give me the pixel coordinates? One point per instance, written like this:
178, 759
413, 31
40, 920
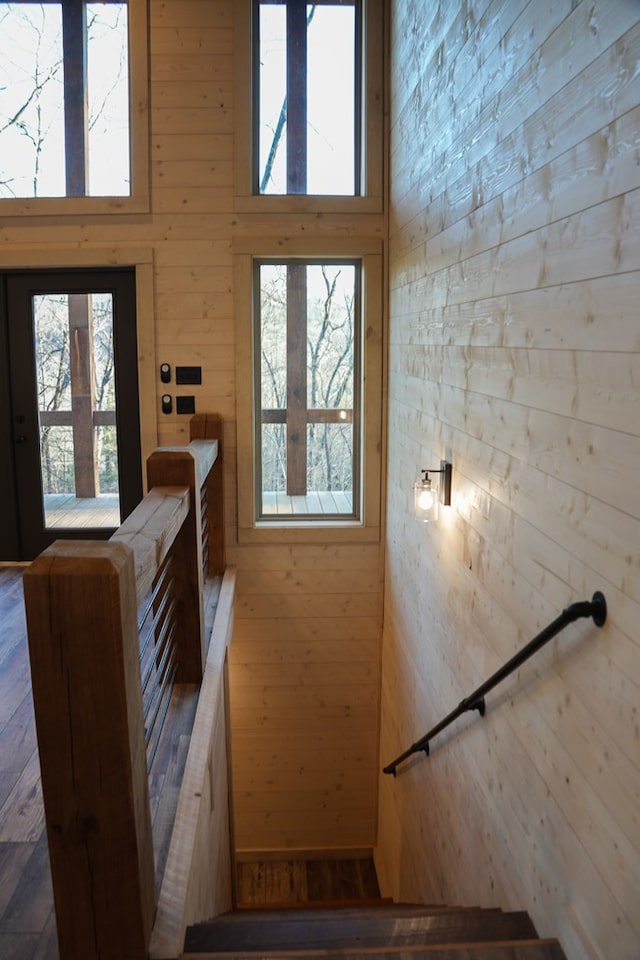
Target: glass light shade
425, 500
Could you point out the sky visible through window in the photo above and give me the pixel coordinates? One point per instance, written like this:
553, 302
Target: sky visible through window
32, 147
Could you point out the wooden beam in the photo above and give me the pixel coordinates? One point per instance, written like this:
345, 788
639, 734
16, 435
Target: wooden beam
76, 126
297, 97
82, 394
296, 379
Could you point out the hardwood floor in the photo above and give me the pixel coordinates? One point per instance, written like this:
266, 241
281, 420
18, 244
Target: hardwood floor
290, 882
27, 920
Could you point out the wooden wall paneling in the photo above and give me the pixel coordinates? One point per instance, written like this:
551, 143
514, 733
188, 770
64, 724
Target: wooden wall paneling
180, 41
305, 688
193, 66
216, 16
513, 346
572, 118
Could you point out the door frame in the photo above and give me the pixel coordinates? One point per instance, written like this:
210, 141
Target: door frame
38, 261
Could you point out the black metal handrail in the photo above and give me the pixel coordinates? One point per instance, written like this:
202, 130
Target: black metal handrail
596, 608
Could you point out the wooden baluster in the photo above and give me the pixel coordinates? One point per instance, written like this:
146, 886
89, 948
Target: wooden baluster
83, 640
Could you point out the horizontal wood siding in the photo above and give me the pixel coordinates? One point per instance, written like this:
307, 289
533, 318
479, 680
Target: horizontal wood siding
305, 665
307, 647
514, 352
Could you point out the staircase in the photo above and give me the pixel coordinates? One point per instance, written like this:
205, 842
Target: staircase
388, 930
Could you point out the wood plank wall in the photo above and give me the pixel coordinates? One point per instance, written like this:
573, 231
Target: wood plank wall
306, 653
514, 352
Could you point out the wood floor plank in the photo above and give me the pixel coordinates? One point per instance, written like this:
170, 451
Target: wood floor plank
13, 859
22, 814
32, 900
47, 948
272, 882
300, 881
15, 677
18, 738
18, 946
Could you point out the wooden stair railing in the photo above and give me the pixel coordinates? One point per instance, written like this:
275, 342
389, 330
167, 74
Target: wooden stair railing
82, 600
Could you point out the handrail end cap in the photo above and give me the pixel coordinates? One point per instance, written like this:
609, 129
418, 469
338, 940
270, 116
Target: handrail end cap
599, 608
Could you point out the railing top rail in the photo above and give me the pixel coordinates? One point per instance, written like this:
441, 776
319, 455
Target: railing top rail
149, 531
204, 452
596, 608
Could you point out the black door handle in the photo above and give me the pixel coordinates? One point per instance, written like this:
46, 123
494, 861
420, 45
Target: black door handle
21, 438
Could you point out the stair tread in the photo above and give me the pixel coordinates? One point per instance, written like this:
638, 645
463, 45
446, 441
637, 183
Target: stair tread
369, 903
529, 949
372, 929
322, 910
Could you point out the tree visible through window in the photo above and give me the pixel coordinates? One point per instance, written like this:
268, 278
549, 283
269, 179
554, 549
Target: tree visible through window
307, 362
307, 60
73, 333
64, 99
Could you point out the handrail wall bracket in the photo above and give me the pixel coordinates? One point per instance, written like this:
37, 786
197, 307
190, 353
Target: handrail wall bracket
595, 608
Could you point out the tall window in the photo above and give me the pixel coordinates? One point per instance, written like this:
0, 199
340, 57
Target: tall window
307, 365
308, 91
64, 101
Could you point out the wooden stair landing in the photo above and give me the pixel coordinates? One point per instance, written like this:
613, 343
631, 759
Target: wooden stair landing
385, 931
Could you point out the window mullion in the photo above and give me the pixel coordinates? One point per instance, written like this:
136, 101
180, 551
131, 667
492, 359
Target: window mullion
74, 41
296, 379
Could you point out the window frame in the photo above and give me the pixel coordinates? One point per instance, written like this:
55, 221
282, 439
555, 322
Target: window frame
296, 126
297, 527
297, 384
371, 125
138, 201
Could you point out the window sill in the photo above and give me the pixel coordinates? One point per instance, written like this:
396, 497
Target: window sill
72, 206
294, 203
310, 531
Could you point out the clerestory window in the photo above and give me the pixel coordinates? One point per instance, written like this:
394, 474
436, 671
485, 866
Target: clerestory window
308, 90
309, 124
66, 89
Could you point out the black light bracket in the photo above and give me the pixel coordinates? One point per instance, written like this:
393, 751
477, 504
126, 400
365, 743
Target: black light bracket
445, 484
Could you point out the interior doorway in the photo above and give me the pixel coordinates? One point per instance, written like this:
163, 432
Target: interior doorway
72, 412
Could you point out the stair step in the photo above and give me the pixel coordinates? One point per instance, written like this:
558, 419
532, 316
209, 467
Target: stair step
369, 903
502, 950
323, 911
333, 930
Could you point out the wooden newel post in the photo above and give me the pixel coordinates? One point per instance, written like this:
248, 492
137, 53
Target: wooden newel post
83, 642
179, 467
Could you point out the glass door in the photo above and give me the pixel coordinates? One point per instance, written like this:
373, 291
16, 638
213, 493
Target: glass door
73, 363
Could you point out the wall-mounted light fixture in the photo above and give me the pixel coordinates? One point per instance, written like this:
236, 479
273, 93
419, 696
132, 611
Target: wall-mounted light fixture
427, 494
